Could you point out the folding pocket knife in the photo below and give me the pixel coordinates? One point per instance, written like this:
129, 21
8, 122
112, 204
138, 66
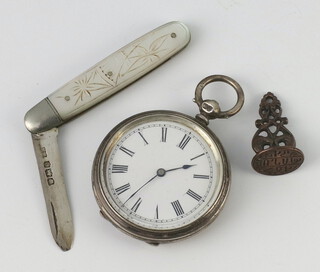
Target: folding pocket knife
101, 81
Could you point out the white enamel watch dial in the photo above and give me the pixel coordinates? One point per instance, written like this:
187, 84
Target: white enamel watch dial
161, 176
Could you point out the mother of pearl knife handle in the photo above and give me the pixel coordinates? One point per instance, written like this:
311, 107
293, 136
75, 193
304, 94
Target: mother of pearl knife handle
96, 84
108, 76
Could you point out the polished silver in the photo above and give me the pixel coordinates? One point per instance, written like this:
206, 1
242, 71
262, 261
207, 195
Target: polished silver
197, 125
83, 92
54, 189
42, 117
150, 235
210, 109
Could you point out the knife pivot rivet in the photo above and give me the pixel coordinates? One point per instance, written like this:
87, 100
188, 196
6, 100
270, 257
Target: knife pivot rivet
67, 98
173, 35
109, 74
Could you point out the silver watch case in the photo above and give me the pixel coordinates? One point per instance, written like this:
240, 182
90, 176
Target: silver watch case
150, 235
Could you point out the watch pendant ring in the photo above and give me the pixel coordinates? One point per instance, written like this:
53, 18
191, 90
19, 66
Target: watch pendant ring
210, 108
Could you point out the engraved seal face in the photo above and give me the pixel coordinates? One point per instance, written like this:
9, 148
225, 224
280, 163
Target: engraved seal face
277, 160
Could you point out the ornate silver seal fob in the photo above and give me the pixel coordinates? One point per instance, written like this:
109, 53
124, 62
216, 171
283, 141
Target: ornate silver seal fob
273, 142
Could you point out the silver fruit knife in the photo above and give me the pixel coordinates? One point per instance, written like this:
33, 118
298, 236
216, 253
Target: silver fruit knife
96, 84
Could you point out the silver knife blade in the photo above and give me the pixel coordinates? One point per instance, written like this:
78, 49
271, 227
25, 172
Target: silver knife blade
58, 208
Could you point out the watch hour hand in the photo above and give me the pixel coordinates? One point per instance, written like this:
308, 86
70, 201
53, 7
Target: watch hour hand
186, 166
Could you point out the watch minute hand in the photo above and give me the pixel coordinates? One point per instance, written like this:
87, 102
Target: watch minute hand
160, 173
140, 188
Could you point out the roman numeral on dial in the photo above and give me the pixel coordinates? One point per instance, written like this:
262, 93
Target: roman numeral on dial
196, 157
145, 141
156, 216
116, 168
185, 140
164, 131
201, 176
127, 151
177, 207
122, 189
136, 205
194, 195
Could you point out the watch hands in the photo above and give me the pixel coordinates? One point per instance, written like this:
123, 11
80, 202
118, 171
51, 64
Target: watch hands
141, 188
160, 173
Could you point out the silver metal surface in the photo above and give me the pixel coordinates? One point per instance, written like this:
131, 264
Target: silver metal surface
139, 232
210, 109
59, 213
42, 117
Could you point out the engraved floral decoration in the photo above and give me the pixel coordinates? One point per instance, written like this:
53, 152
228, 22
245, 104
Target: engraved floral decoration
136, 57
85, 86
140, 56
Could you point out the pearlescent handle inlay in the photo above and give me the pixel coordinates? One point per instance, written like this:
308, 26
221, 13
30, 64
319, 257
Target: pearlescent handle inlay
119, 69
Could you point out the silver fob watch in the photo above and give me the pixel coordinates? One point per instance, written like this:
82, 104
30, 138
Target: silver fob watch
161, 176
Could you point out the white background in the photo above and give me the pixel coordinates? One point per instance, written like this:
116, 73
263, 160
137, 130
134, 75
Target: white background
268, 223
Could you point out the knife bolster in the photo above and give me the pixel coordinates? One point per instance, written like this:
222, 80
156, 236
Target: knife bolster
42, 117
